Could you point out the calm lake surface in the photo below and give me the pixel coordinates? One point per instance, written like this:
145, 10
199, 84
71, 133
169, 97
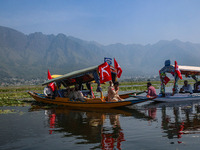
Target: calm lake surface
152, 126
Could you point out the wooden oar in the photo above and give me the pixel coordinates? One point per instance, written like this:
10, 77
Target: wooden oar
137, 93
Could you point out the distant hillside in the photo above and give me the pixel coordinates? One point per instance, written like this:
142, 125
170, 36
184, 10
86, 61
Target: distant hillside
29, 56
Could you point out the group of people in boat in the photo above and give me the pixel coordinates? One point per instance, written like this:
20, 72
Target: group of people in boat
187, 88
77, 93
71, 93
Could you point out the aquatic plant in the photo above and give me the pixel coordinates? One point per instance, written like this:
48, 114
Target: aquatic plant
17, 96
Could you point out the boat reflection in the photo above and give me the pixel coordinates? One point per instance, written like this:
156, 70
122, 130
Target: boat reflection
178, 119
52, 120
100, 126
112, 138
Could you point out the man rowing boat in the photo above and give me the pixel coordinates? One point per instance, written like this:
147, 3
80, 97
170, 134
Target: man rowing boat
151, 90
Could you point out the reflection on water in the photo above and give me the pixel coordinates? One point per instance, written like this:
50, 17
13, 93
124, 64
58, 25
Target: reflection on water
91, 127
186, 121
178, 119
104, 126
147, 126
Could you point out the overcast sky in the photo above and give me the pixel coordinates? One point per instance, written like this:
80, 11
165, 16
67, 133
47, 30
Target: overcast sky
106, 21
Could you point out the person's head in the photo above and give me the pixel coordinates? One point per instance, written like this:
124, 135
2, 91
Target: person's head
116, 84
149, 84
185, 82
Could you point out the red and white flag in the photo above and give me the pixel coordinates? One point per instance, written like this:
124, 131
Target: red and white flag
164, 77
119, 69
104, 71
52, 85
177, 70
166, 80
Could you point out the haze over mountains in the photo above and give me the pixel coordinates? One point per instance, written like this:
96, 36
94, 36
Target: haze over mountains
30, 56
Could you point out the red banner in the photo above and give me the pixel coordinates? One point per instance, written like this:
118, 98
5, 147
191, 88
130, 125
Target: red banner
52, 85
177, 70
119, 69
166, 80
104, 71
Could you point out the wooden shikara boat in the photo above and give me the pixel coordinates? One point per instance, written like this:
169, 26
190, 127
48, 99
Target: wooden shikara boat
81, 77
88, 103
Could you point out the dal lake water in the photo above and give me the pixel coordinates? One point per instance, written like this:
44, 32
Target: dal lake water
149, 125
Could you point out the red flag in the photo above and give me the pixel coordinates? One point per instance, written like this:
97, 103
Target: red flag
166, 80
164, 77
49, 75
105, 74
52, 85
177, 70
119, 69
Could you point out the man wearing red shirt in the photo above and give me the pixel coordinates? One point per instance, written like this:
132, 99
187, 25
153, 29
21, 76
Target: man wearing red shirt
151, 90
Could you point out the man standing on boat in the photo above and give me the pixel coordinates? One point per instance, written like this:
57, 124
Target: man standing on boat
151, 90
186, 88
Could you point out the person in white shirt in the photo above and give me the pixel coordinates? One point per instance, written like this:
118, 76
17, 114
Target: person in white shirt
78, 95
186, 88
47, 91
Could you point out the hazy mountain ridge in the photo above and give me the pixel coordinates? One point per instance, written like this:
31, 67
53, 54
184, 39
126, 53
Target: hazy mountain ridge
29, 56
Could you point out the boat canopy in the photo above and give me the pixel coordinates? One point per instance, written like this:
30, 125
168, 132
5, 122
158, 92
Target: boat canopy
55, 75
76, 77
80, 77
189, 70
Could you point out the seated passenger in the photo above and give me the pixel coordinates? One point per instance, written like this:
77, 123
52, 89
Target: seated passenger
113, 92
66, 92
71, 93
198, 88
48, 92
186, 88
151, 90
78, 95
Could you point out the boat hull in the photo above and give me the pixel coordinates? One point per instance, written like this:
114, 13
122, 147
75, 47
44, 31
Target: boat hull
177, 98
90, 103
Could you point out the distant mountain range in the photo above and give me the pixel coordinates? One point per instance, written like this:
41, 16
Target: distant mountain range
30, 56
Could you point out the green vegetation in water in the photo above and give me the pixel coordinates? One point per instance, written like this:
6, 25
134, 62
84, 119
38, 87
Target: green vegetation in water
10, 111
17, 96
7, 111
